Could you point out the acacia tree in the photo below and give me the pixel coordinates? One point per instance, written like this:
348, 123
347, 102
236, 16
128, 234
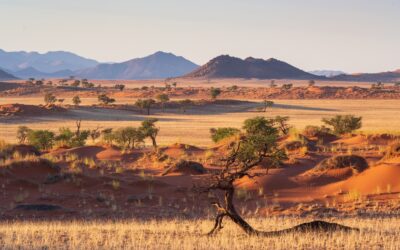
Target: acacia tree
128, 137
256, 144
22, 134
150, 130
163, 98
267, 104
49, 98
76, 100
104, 99
281, 122
215, 92
145, 104
343, 124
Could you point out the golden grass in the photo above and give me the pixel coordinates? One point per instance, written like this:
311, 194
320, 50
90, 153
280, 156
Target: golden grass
376, 233
193, 127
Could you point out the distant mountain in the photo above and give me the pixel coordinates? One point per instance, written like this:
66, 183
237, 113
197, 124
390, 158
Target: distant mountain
32, 72
327, 73
389, 76
49, 62
156, 66
6, 76
226, 66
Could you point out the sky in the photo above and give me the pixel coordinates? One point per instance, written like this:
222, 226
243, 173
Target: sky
349, 35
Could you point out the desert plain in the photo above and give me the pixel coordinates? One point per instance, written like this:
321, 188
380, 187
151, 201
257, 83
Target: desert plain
145, 197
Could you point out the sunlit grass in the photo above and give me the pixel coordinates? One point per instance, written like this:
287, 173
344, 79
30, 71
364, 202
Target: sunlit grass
376, 233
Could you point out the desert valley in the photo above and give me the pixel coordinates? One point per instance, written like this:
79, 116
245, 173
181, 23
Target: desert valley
160, 152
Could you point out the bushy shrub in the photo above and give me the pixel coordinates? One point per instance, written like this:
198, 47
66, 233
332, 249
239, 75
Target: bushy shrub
215, 92
316, 131
49, 98
343, 124
104, 99
41, 139
68, 138
128, 137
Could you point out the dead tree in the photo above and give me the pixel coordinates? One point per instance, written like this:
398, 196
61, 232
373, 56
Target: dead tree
257, 144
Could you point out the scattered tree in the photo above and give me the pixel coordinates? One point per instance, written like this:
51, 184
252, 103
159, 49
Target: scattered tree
49, 98
282, 125
104, 99
184, 104
76, 100
343, 124
163, 98
287, 86
272, 84
76, 83
145, 104
119, 86
22, 134
150, 130
267, 104
108, 135
215, 92
378, 85
94, 134
66, 137
128, 137
311, 83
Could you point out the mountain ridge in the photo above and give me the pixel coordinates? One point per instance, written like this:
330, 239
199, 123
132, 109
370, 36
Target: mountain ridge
226, 66
155, 66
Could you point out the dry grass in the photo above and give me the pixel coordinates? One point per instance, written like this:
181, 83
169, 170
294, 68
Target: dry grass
376, 233
193, 127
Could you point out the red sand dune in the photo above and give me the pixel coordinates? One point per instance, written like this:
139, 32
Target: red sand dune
375, 178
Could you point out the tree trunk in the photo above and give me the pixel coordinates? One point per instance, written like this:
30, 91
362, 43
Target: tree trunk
230, 211
153, 140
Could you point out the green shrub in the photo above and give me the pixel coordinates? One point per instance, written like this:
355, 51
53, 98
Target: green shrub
128, 137
41, 139
343, 124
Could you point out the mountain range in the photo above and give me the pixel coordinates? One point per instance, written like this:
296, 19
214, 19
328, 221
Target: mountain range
226, 66
160, 65
389, 76
49, 62
6, 76
156, 66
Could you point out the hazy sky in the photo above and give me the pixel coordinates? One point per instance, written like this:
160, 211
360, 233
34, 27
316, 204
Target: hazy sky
349, 35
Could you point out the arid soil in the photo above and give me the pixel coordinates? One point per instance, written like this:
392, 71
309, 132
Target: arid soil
322, 177
105, 182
